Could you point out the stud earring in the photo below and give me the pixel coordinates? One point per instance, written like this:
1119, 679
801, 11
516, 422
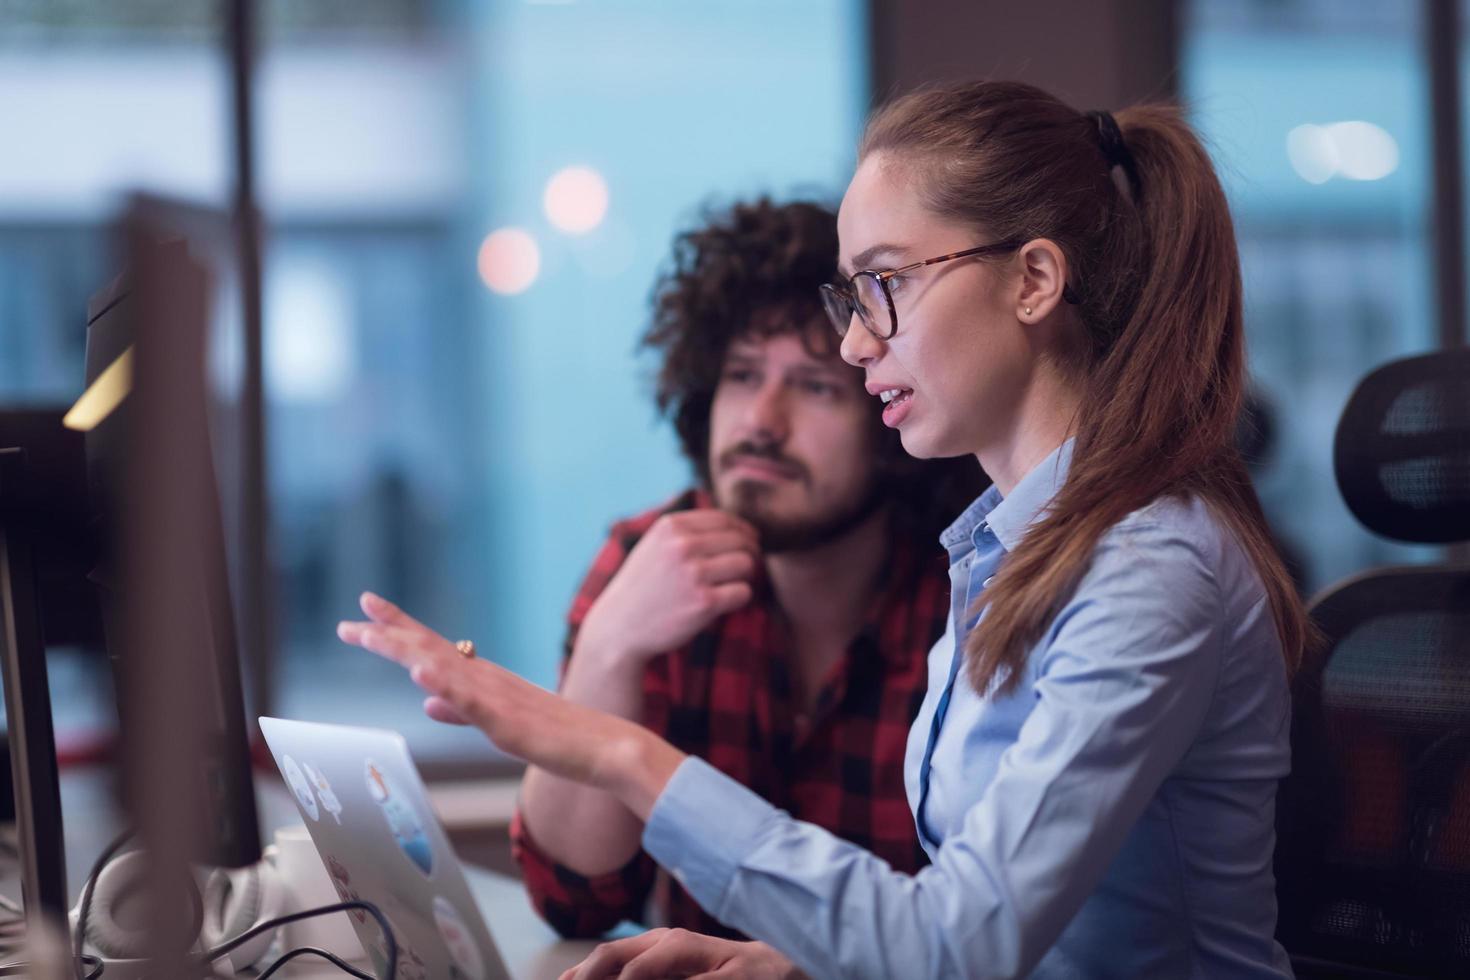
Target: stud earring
1028, 311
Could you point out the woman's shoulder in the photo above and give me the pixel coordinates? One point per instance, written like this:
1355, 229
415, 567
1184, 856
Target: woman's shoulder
1182, 535
1186, 519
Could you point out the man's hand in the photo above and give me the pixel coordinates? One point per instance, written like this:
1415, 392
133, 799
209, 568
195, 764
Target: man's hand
691, 568
663, 953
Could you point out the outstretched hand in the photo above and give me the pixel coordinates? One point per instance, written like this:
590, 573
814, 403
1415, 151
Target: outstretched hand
527, 721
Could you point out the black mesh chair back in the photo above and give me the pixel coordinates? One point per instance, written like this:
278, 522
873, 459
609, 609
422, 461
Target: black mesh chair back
1373, 849
1402, 452
1373, 853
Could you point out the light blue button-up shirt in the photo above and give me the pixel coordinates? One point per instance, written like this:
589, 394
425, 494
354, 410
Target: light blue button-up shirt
1111, 818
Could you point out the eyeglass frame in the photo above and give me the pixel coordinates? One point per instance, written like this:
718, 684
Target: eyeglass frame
847, 293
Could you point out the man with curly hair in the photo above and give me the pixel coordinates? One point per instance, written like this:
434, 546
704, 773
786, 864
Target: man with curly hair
774, 620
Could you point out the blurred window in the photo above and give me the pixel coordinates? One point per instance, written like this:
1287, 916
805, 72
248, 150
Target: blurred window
1317, 114
467, 205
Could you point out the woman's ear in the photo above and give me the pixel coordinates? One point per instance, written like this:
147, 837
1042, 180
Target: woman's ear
1043, 279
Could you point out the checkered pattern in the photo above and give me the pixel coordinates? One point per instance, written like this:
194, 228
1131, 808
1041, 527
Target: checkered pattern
729, 697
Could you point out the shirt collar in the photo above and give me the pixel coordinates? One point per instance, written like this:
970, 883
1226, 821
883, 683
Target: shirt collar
958, 534
1008, 517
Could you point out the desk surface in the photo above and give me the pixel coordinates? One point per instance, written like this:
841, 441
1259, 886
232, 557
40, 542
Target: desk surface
531, 950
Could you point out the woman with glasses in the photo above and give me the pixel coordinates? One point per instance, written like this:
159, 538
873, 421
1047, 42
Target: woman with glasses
1093, 771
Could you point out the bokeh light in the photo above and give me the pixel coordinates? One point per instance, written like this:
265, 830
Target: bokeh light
576, 199
1312, 153
509, 261
1364, 151
1354, 149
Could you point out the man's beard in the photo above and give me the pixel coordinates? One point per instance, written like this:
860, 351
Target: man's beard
748, 499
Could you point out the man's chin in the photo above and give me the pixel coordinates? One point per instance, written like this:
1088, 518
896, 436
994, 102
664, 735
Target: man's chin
786, 537
751, 500
780, 532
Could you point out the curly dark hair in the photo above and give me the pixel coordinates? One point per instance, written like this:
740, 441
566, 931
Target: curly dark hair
755, 269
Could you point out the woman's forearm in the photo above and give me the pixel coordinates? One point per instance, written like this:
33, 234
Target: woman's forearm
636, 767
582, 827
588, 830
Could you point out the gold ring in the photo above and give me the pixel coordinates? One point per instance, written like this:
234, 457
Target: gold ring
466, 648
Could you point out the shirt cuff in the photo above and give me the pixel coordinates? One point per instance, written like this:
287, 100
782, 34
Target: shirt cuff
680, 833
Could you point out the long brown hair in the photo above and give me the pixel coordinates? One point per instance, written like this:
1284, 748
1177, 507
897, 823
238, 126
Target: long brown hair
1156, 278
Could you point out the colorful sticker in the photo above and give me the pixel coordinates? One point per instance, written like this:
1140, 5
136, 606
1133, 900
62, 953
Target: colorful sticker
405, 825
411, 965
330, 803
296, 779
461, 944
342, 883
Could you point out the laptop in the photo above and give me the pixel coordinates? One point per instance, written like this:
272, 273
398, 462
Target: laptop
369, 816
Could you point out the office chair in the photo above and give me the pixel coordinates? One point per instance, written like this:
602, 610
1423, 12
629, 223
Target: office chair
1373, 848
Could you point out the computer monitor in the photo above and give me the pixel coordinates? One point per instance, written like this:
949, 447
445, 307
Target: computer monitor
163, 574
113, 537
52, 496
32, 745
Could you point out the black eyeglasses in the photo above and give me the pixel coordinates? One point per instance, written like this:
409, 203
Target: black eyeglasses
866, 293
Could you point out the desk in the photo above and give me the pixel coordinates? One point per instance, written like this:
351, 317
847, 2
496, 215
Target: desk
530, 948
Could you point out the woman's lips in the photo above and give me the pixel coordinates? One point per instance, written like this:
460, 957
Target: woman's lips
898, 409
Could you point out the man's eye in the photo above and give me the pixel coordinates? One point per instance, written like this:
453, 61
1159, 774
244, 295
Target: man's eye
741, 376
820, 388
895, 283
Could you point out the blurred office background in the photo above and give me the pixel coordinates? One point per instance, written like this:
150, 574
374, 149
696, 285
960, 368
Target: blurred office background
467, 202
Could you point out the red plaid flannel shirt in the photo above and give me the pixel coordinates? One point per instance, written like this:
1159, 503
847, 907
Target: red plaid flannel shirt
728, 697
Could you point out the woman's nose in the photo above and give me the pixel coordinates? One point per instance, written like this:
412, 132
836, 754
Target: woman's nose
859, 347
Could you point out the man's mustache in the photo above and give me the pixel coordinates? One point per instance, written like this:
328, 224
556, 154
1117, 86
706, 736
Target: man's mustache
763, 451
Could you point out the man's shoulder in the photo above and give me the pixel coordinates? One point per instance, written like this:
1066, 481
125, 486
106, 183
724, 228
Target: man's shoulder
916, 552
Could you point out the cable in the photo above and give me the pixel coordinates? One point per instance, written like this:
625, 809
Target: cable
19, 969
108, 853
211, 955
368, 907
336, 961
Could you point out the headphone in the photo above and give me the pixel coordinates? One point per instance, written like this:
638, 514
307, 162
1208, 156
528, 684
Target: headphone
238, 899
233, 901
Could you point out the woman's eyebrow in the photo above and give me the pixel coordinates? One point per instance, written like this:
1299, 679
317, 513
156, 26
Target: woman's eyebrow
864, 259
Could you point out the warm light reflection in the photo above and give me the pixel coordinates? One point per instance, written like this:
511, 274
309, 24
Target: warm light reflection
509, 261
102, 395
576, 199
